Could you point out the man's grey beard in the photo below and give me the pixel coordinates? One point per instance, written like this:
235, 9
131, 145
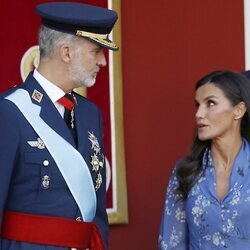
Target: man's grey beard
79, 77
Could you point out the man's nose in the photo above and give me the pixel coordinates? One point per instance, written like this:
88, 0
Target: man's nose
102, 59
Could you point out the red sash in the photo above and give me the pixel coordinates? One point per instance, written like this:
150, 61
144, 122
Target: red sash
53, 231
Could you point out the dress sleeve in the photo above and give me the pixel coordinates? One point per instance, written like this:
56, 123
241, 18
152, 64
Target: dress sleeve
173, 230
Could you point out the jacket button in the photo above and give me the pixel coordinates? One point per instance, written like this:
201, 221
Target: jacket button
45, 163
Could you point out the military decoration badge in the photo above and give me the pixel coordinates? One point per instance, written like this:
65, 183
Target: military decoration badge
45, 182
97, 159
37, 144
94, 143
37, 96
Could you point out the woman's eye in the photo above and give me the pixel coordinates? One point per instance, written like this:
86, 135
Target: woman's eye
210, 103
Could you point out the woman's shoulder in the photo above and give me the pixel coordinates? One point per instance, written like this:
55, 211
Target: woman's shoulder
179, 163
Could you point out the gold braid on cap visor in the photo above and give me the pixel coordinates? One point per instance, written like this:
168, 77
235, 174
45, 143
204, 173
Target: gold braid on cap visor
101, 38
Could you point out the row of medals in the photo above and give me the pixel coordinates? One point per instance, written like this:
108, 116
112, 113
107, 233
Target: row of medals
97, 162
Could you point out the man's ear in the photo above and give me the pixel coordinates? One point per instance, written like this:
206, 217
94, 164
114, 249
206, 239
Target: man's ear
66, 53
239, 110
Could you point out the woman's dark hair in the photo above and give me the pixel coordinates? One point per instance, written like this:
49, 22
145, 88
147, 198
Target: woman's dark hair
236, 87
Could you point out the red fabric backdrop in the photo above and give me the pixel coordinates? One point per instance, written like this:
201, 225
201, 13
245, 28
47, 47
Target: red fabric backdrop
166, 46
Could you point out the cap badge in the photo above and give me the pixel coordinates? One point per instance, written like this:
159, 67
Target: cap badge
91, 35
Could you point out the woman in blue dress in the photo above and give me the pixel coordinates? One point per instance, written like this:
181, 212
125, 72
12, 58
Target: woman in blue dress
207, 203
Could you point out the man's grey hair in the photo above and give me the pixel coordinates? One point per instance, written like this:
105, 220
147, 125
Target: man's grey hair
50, 40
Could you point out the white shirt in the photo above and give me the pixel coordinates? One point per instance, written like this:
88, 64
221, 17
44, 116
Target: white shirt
54, 92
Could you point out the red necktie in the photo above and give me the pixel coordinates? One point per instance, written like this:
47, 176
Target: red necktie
68, 102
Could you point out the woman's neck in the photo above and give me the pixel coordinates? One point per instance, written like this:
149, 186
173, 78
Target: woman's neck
224, 151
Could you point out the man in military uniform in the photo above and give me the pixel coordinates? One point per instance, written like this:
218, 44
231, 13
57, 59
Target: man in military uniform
52, 182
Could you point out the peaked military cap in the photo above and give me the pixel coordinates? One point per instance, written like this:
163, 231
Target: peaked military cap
91, 22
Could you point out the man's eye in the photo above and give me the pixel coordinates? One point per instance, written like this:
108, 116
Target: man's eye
97, 50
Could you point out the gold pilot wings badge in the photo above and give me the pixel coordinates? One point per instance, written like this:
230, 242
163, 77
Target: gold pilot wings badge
37, 144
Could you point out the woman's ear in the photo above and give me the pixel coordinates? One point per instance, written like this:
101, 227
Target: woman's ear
239, 110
